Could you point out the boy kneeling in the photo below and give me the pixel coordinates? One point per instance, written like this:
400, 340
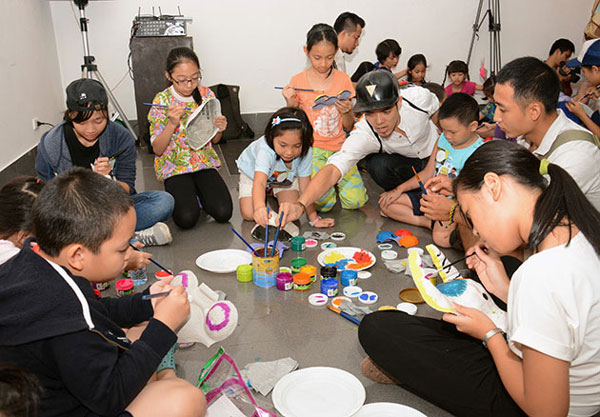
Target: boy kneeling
54, 326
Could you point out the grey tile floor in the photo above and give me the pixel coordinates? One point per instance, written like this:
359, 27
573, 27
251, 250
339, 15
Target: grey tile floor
274, 324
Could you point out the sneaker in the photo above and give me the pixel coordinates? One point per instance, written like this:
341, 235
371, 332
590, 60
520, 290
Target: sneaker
157, 235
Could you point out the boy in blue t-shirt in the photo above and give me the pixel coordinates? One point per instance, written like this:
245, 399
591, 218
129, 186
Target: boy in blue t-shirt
458, 117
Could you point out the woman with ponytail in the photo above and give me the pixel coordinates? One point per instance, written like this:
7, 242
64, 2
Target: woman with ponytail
547, 362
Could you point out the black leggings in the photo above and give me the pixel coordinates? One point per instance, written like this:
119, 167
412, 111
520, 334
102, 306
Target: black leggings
208, 186
437, 362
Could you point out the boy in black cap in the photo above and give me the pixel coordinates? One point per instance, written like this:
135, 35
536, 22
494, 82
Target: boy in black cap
395, 132
87, 138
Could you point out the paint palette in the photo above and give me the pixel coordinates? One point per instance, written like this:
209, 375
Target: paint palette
223, 260
356, 259
387, 410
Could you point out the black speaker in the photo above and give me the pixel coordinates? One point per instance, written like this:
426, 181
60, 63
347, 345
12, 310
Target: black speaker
148, 58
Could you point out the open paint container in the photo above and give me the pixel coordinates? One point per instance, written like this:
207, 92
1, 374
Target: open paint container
265, 268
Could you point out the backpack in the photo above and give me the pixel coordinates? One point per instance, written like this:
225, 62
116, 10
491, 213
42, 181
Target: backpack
228, 96
571, 136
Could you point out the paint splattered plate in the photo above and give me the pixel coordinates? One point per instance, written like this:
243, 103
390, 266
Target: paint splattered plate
387, 410
223, 260
356, 259
318, 392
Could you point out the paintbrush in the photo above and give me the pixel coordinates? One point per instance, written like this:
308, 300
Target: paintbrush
419, 180
266, 235
589, 94
276, 235
453, 263
345, 315
158, 294
244, 240
297, 89
153, 261
164, 106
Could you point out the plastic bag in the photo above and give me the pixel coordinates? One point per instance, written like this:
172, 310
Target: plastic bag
226, 392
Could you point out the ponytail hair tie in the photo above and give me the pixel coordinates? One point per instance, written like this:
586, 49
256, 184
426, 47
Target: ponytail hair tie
278, 120
544, 166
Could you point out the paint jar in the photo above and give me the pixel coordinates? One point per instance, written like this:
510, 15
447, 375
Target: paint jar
265, 268
348, 277
298, 243
297, 263
244, 273
285, 281
100, 286
311, 271
138, 276
285, 269
329, 287
160, 275
328, 272
301, 281
124, 287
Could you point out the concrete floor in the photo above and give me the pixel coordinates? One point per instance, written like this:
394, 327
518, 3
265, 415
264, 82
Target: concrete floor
274, 324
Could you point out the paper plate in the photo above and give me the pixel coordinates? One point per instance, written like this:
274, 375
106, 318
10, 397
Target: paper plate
335, 255
318, 392
223, 260
388, 410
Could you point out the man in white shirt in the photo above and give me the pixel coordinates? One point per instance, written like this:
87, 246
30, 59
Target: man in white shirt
349, 27
526, 96
395, 132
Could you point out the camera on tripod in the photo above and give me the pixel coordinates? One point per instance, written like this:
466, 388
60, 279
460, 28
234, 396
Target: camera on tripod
574, 73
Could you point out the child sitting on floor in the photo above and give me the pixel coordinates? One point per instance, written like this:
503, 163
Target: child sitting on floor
282, 158
458, 117
75, 345
16, 199
458, 72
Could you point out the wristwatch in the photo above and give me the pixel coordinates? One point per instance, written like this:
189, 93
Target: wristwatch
489, 335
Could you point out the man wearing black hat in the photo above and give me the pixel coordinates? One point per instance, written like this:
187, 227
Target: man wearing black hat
87, 138
395, 132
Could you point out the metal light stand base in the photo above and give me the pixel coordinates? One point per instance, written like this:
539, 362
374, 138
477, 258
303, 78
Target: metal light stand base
89, 69
493, 14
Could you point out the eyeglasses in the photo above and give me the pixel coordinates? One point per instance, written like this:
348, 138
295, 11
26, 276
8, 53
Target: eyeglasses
190, 81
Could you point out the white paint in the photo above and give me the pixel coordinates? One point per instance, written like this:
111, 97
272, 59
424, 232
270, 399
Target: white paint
256, 45
29, 76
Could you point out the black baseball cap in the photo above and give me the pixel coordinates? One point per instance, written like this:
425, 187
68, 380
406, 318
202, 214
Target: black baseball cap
85, 95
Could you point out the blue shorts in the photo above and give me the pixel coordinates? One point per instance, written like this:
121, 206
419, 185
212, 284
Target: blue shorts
415, 200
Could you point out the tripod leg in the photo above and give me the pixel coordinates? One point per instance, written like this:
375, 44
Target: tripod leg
475, 30
115, 103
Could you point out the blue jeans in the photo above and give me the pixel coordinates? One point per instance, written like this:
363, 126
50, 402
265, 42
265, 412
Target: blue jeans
152, 207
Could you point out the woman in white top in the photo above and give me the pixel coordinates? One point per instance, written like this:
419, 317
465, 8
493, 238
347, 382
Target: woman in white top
549, 362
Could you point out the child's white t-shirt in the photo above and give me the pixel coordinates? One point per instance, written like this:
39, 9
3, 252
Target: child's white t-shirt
554, 308
7, 250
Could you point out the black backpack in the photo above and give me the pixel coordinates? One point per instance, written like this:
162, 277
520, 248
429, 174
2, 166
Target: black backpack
228, 96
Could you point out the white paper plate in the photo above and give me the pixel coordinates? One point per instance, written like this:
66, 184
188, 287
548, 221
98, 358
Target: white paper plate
318, 392
347, 252
388, 410
223, 260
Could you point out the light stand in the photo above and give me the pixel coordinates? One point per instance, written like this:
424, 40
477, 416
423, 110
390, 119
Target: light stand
89, 69
493, 14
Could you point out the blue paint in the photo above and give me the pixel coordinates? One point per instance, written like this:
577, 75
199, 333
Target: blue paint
385, 236
348, 277
329, 287
368, 297
454, 288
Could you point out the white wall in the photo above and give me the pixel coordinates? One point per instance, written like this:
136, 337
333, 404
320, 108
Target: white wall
29, 75
254, 44
258, 44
